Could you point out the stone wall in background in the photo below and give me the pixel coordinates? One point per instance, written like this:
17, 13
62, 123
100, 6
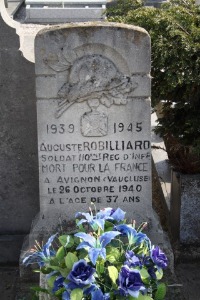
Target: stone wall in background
18, 146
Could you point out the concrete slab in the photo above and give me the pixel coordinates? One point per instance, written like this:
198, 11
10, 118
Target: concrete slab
65, 2
13, 6
63, 15
161, 161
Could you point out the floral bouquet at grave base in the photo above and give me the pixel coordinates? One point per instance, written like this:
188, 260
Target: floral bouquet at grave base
106, 259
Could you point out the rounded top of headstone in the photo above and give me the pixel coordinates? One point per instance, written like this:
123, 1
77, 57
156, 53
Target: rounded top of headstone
127, 46
114, 26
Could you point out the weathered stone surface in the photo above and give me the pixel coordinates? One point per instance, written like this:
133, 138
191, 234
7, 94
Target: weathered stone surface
184, 213
19, 200
10, 246
189, 210
93, 88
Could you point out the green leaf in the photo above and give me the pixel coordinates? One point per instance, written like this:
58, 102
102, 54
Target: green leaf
64, 272
60, 254
81, 228
82, 253
159, 274
161, 292
144, 273
113, 273
76, 294
45, 270
55, 268
70, 259
39, 289
108, 226
54, 261
50, 281
66, 241
140, 297
100, 266
59, 292
76, 240
113, 254
145, 276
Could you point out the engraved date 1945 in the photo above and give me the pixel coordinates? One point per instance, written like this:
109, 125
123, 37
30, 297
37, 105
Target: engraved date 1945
131, 127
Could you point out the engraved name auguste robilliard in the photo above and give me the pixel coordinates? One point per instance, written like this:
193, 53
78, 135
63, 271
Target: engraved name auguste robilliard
95, 79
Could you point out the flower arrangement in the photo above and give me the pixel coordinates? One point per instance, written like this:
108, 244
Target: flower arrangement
105, 259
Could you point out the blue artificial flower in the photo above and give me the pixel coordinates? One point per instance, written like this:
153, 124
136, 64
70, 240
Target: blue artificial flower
158, 257
40, 255
130, 282
81, 275
96, 246
127, 230
132, 259
90, 219
100, 218
134, 237
97, 294
106, 296
152, 272
58, 283
88, 290
111, 214
66, 295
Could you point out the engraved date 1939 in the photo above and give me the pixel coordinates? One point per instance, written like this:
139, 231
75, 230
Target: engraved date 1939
59, 128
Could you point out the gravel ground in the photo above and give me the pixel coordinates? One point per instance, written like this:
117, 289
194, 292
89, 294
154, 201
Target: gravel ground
188, 274
8, 282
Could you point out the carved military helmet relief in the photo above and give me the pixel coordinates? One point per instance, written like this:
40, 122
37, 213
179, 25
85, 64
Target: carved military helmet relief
96, 80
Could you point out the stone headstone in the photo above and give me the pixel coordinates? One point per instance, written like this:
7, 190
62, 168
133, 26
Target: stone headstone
93, 88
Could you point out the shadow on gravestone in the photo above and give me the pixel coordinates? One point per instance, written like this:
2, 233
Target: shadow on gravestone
18, 151
93, 103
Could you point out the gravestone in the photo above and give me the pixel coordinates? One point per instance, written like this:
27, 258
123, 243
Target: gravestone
93, 88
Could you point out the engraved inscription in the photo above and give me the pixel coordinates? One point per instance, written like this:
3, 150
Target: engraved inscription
113, 169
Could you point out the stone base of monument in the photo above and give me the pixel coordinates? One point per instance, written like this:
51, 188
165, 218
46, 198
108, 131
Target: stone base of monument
41, 230
43, 285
